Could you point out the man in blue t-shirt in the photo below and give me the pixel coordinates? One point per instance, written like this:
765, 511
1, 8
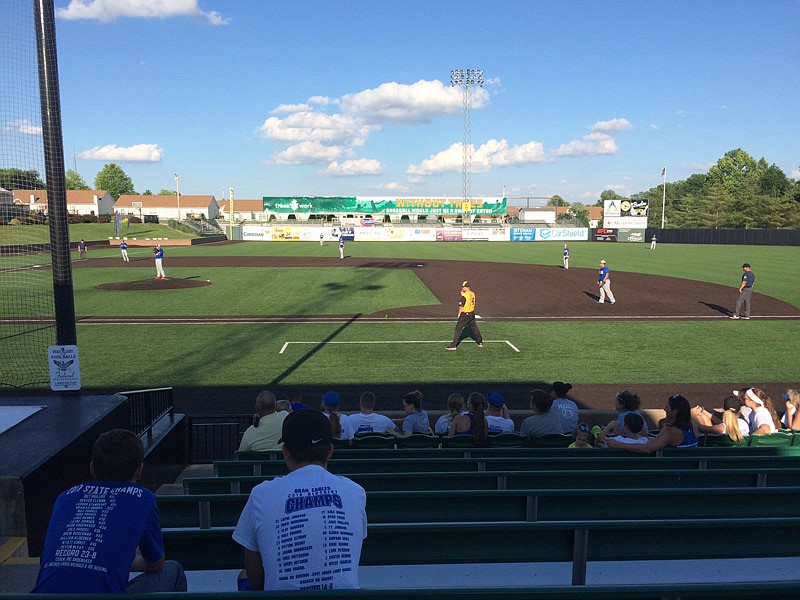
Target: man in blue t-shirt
745, 293
103, 530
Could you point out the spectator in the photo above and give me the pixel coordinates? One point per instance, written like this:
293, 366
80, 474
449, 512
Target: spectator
628, 402
283, 405
677, 432
455, 407
791, 419
632, 427
583, 437
763, 418
731, 423
544, 421
330, 408
265, 432
473, 423
498, 417
567, 410
416, 420
303, 530
368, 421
102, 531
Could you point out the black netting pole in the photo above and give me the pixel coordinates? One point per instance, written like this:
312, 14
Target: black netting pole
54, 172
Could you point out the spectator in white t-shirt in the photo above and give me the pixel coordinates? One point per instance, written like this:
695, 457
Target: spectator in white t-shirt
497, 415
632, 428
763, 418
367, 421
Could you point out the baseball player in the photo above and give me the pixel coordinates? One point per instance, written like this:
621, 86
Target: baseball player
466, 317
158, 253
566, 258
604, 283
745, 293
82, 249
341, 247
321, 238
653, 242
123, 247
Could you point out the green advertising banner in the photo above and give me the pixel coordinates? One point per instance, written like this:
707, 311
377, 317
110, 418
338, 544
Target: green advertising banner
366, 205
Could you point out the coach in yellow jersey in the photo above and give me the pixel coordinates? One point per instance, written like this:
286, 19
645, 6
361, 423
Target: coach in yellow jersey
466, 317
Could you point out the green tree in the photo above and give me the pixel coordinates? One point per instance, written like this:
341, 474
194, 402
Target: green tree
166, 192
114, 180
74, 181
580, 212
736, 171
557, 200
17, 179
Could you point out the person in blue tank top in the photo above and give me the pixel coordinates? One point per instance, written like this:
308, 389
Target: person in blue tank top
677, 432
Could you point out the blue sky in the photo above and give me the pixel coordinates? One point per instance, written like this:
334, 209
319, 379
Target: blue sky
352, 97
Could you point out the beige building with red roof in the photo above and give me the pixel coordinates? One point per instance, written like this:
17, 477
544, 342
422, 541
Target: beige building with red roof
79, 202
244, 210
168, 207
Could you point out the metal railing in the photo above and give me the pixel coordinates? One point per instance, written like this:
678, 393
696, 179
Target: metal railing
215, 437
147, 407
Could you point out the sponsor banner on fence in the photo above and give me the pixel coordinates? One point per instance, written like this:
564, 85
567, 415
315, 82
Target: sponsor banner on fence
625, 222
370, 234
562, 234
522, 234
449, 234
605, 235
630, 235
376, 205
257, 233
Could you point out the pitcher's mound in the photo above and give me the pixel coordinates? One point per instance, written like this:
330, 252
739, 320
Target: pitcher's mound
154, 284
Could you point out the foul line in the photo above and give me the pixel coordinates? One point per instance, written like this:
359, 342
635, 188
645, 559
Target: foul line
286, 344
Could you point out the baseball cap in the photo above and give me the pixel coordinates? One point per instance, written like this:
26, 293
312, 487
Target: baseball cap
746, 265
465, 284
495, 399
602, 262
731, 403
306, 428
330, 399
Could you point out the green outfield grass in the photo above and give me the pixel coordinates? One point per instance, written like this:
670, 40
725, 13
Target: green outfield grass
40, 234
581, 352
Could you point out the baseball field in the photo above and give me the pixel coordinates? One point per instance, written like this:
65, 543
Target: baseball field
234, 318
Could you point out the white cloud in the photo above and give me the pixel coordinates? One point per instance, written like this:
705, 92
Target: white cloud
315, 126
419, 102
612, 126
136, 153
591, 145
394, 186
307, 153
494, 153
23, 126
795, 174
354, 168
110, 10
654, 127
288, 109
322, 100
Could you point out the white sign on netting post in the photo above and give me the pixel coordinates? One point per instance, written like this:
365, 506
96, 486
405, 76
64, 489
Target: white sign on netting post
65, 372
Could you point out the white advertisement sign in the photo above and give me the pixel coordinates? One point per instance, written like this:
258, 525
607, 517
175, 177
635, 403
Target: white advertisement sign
625, 222
257, 233
65, 372
564, 233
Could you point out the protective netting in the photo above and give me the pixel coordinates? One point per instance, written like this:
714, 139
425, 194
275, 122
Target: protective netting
27, 314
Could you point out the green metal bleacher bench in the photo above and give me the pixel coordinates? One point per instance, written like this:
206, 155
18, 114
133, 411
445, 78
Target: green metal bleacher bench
351, 466
569, 478
772, 590
524, 542
223, 510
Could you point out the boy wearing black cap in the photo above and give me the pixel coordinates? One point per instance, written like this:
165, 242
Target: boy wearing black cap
304, 531
745, 293
466, 317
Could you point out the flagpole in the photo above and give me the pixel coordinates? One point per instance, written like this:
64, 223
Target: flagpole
663, 196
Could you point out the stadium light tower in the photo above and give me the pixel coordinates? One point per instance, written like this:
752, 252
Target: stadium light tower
467, 79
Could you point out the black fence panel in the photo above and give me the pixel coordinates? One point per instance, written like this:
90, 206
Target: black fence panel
745, 237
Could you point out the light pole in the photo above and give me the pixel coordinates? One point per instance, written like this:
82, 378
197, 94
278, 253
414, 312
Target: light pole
178, 194
466, 79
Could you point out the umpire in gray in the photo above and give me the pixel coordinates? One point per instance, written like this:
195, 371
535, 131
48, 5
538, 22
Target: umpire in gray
745, 293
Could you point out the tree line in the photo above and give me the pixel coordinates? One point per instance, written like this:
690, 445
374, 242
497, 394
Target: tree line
738, 192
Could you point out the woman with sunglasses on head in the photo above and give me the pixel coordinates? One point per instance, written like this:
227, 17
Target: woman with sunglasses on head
763, 418
677, 432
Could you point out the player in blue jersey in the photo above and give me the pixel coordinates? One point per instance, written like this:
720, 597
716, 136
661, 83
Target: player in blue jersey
123, 247
566, 258
158, 254
604, 283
